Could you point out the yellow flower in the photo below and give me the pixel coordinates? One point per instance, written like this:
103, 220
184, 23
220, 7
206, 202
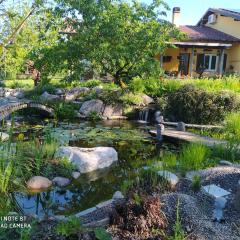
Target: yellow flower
20, 137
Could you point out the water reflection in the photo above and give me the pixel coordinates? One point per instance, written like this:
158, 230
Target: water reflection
134, 151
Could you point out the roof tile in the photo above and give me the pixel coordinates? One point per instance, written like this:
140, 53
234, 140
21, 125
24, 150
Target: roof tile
203, 33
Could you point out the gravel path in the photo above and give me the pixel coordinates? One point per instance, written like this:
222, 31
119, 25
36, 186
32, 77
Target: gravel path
196, 208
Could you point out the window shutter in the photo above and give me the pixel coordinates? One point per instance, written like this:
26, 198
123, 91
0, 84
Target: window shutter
200, 62
224, 62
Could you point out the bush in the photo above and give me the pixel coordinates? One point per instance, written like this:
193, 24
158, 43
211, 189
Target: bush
89, 83
64, 111
193, 105
232, 127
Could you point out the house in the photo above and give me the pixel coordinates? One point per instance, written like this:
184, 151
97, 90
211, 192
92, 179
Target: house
212, 47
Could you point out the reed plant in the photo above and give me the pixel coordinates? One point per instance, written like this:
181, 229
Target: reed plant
193, 157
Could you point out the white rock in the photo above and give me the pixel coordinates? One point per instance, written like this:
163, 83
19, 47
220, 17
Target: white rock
113, 110
18, 94
118, 195
98, 89
89, 159
170, 177
105, 204
146, 99
61, 181
96, 106
75, 92
59, 91
38, 182
225, 163
76, 175
4, 136
86, 212
49, 97
215, 191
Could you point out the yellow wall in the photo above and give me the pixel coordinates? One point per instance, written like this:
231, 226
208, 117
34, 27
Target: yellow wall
173, 65
174, 52
223, 24
227, 25
234, 58
231, 27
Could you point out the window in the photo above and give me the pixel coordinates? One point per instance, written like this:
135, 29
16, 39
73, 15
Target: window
208, 62
211, 61
167, 59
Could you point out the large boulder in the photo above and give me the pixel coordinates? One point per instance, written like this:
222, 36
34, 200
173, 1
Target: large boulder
74, 93
4, 136
88, 159
98, 89
61, 181
38, 183
113, 110
94, 105
49, 97
146, 99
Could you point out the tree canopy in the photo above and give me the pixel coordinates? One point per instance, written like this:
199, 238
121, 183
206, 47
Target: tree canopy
22, 31
111, 36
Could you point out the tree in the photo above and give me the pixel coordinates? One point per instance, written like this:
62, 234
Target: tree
31, 28
116, 37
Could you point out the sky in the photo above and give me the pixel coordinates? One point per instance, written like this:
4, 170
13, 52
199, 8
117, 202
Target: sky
193, 10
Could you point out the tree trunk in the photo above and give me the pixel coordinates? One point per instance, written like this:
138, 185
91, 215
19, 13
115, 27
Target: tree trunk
118, 81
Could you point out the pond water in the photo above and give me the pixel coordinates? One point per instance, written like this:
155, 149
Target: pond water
134, 147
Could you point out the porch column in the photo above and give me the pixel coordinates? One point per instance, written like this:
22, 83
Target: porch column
191, 63
161, 60
221, 62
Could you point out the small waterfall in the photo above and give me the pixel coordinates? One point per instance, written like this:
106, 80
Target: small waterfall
143, 115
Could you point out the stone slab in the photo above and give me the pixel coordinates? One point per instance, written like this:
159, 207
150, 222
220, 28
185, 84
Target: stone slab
86, 212
215, 191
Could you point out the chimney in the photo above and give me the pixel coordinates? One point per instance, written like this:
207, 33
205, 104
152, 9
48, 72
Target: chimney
176, 16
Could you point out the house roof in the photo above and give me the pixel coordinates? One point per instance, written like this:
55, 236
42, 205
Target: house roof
233, 13
207, 34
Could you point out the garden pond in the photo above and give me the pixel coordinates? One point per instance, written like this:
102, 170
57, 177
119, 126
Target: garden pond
135, 148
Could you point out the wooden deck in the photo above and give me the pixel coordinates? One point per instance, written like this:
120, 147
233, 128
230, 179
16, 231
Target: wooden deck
189, 137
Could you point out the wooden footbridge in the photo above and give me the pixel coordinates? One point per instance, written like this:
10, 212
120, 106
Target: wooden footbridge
12, 106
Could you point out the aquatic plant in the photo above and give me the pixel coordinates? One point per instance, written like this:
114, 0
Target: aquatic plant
64, 111
196, 183
6, 171
232, 126
169, 161
70, 227
94, 116
193, 157
102, 234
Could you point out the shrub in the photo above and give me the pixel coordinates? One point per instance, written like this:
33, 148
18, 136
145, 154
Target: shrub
94, 116
193, 105
71, 227
88, 83
137, 85
102, 234
232, 126
64, 111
